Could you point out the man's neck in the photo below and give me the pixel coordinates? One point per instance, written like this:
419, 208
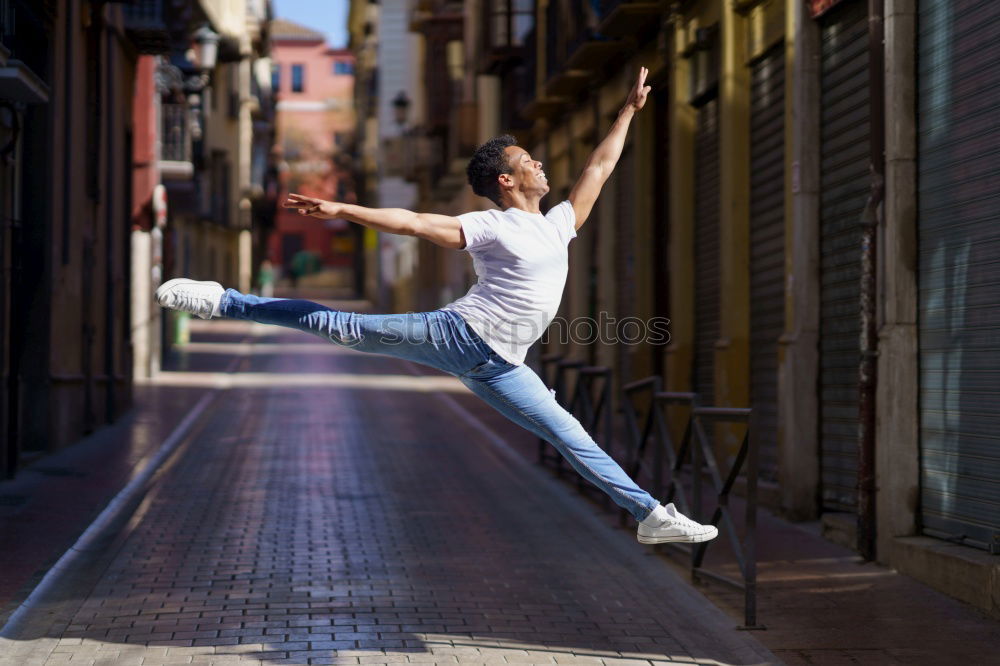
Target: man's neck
522, 203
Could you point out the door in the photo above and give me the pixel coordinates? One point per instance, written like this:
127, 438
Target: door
706, 249
767, 247
845, 184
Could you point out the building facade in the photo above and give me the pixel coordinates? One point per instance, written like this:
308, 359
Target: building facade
64, 191
211, 97
398, 131
99, 108
315, 135
205, 180
806, 197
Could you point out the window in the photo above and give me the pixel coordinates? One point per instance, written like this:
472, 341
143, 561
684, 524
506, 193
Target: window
298, 74
510, 22
275, 77
343, 67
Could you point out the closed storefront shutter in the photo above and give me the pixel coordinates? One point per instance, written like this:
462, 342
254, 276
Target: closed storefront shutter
625, 280
767, 247
659, 251
958, 109
706, 243
844, 159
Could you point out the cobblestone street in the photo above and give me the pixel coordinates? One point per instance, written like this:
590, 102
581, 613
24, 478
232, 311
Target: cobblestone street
335, 507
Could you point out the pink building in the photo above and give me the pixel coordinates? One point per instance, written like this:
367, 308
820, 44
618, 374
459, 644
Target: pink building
314, 86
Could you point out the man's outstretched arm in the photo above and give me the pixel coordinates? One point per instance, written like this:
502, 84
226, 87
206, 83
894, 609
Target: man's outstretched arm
443, 230
602, 161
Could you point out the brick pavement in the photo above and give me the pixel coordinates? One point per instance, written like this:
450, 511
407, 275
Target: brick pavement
368, 522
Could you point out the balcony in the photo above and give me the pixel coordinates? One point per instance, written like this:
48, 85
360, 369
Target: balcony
507, 27
176, 142
621, 18
562, 32
146, 25
583, 39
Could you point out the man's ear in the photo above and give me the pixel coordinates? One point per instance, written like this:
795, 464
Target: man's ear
505, 180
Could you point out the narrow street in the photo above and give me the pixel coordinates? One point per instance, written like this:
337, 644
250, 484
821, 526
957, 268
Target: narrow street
335, 507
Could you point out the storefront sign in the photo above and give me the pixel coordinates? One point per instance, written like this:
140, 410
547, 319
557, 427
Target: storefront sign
820, 7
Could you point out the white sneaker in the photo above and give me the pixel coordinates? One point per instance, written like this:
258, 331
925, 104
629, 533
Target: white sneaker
197, 297
676, 527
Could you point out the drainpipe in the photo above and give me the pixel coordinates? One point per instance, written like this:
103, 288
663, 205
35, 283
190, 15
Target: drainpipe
871, 221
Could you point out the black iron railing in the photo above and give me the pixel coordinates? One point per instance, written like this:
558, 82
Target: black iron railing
692, 459
589, 402
176, 124
745, 549
648, 435
143, 14
678, 469
554, 367
566, 30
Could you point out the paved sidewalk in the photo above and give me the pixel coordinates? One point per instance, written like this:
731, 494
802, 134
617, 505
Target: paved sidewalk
49, 503
333, 507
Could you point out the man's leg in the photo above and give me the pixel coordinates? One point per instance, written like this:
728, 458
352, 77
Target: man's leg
438, 339
520, 395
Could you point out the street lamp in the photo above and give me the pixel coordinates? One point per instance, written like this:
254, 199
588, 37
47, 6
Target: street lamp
208, 40
401, 106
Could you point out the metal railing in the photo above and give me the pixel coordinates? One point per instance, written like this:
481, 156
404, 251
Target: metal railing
651, 450
744, 550
144, 15
589, 402
649, 430
176, 133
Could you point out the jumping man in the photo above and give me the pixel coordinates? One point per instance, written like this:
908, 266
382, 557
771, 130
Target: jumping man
520, 257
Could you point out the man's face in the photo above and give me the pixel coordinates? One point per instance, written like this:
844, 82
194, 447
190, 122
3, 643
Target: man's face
526, 174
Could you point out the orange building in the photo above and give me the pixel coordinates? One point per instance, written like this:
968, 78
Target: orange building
314, 85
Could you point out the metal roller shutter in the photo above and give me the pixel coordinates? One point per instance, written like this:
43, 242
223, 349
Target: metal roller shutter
661, 230
844, 158
625, 260
767, 247
958, 109
706, 248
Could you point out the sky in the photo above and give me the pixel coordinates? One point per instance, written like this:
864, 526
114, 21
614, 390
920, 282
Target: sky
326, 16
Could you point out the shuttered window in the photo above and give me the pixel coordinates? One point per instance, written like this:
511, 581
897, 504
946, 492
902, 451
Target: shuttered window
625, 278
706, 243
958, 111
845, 183
767, 247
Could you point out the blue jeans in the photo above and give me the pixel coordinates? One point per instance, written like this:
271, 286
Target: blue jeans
441, 339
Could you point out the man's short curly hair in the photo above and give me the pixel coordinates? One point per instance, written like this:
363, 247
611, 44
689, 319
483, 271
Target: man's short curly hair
486, 165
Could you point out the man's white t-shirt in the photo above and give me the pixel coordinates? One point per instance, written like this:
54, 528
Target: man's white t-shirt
521, 260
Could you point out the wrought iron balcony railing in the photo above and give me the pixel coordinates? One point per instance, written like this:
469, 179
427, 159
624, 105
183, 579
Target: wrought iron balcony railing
176, 133
146, 25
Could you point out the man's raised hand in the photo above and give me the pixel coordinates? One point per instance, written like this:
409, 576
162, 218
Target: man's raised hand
324, 210
637, 96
